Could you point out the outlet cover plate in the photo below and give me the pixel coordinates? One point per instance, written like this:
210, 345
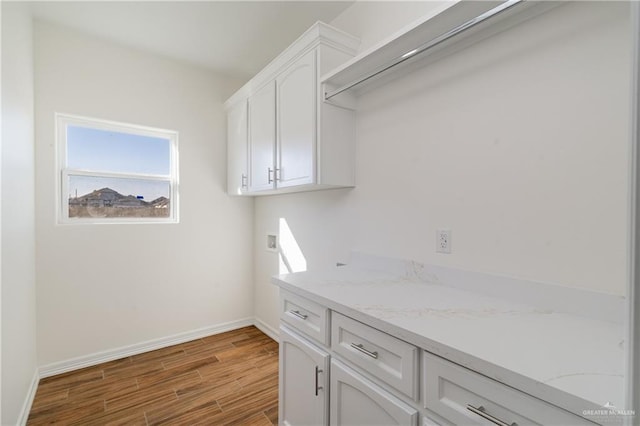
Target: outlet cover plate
443, 240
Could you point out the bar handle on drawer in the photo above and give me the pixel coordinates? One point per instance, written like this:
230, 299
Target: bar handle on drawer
482, 413
299, 315
318, 371
360, 347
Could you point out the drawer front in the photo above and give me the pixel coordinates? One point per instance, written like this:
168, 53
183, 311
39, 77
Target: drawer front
462, 396
305, 316
391, 360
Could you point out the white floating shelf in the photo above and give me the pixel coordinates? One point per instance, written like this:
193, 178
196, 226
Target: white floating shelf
448, 29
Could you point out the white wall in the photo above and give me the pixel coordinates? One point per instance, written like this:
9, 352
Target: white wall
374, 21
18, 223
108, 286
518, 144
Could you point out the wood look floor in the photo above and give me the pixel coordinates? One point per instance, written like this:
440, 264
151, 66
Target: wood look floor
226, 379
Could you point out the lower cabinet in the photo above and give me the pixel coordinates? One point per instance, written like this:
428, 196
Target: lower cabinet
303, 381
357, 401
305, 390
361, 376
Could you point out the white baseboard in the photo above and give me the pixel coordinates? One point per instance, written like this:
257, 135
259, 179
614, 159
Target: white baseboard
28, 401
138, 348
266, 329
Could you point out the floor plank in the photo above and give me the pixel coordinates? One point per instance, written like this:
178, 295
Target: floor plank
225, 379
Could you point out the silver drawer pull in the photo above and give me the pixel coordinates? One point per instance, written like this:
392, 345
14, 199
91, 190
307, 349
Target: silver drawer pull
481, 412
360, 347
299, 315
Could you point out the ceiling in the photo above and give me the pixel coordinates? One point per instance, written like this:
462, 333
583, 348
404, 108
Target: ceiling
235, 38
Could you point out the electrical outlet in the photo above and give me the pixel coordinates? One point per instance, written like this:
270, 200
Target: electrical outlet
443, 241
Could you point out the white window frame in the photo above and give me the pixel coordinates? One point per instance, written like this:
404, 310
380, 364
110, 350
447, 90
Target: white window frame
62, 121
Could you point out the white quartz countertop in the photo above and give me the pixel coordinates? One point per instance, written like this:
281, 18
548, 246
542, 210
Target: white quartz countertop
569, 360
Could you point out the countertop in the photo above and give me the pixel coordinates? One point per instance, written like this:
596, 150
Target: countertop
569, 360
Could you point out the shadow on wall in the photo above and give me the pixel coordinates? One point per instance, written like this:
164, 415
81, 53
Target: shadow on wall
291, 258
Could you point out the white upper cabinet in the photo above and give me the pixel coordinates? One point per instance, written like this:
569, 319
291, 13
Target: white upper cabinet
296, 88
296, 142
262, 138
237, 137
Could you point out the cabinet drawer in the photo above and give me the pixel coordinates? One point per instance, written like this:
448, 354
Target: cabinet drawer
305, 316
462, 396
391, 360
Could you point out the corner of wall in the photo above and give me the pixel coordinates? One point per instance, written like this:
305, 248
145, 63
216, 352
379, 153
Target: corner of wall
28, 402
17, 261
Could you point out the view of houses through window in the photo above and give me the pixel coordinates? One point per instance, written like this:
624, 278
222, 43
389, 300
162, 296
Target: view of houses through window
113, 172
110, 200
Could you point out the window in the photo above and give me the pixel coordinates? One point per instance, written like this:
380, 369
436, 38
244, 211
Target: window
116, 173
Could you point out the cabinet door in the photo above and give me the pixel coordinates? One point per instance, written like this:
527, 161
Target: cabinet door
357, 401
297, 90
237, 141
262, 137
303, 381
